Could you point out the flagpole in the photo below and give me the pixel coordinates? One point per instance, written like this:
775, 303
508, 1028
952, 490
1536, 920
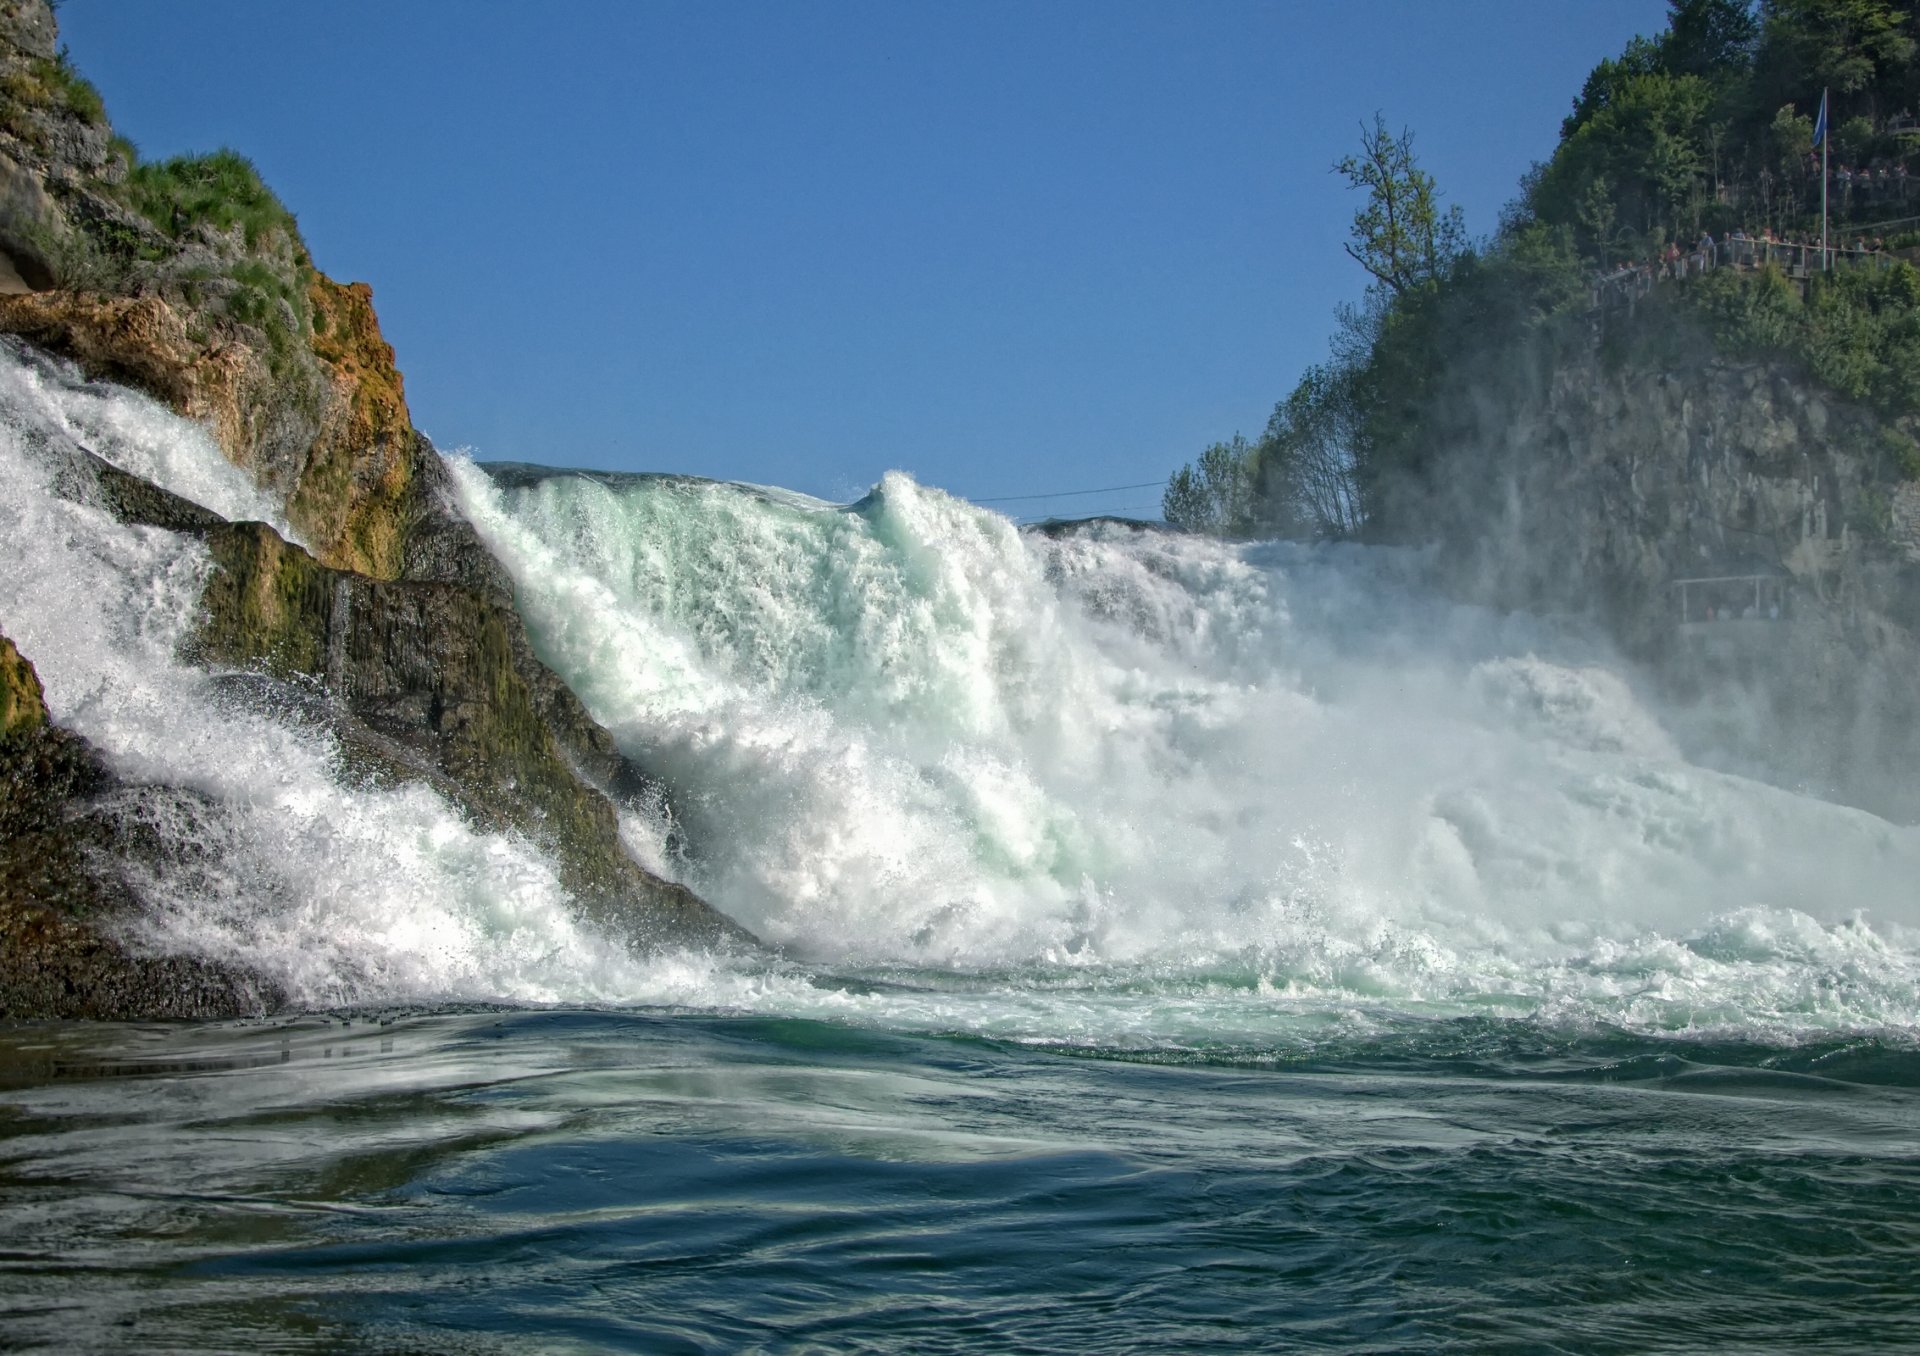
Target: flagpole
1826, 140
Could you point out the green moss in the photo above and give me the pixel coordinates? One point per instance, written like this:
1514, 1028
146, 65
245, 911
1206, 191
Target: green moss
23, 704
268, 604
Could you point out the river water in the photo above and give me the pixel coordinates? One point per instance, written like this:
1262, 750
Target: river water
1172, 946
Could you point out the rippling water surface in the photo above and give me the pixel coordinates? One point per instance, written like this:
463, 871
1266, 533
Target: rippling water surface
512, 1180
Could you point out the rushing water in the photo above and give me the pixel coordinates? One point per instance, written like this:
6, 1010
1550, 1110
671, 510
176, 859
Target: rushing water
1173, 946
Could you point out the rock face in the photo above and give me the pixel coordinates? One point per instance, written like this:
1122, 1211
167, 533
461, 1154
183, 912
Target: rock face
1593, 486
189, 280
64, 902
437, 682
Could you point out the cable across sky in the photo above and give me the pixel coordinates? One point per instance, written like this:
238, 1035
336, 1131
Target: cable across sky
1068, 494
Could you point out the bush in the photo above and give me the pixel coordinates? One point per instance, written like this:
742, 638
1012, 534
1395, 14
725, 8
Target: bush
72, 89
1857, 332
220, 190
46, 85
1216, 494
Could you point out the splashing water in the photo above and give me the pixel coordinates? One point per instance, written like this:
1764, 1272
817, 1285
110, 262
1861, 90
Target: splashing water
905, 735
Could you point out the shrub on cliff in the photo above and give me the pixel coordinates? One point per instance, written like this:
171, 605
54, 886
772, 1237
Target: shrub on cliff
221, 190
44, 84
1856, 332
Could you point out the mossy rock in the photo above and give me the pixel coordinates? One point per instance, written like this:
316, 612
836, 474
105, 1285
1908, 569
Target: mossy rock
437, 674
23, 704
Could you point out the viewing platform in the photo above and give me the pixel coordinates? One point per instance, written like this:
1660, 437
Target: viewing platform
1731, 613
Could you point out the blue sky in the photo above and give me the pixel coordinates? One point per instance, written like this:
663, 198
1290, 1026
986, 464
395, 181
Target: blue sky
1010, 248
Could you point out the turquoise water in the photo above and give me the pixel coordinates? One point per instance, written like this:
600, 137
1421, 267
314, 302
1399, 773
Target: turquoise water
571, 1180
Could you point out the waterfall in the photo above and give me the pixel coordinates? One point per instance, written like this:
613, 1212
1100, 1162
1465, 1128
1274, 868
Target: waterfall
960, 775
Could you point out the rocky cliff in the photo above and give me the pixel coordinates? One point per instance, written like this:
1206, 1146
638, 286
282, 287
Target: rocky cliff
1596, 478
189, 280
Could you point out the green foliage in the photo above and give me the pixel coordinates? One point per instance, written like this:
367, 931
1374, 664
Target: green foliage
221, 190
84, 261
1708, 37
272, 303
1901, 452
264, 289
1307, 462
1701, 128
1857, 332
1850, 46
1400, 235
71, 88
1643, 159
1214, 496
42, 86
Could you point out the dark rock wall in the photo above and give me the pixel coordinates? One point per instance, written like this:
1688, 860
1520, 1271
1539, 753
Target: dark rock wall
1597, 487
443, 674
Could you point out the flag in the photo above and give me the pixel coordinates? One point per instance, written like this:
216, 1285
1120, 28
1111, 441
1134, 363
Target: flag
1820, 123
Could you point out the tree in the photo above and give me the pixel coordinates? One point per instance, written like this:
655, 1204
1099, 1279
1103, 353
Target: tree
1401, 236
1214, 496
1706, 37
1306, 458
1646, 149
1849, 46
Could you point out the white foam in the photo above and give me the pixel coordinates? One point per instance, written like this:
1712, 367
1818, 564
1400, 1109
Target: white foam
910, 735
47, 399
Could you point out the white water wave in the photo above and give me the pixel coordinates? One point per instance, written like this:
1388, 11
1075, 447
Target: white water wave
341, 893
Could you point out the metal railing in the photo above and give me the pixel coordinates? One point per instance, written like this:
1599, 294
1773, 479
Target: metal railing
1732, 597
1627, 284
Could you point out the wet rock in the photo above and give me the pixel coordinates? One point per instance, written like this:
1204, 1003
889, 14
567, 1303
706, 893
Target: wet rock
67, 911
442, 677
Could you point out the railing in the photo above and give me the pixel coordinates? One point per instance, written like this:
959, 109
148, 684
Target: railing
1627, 284
1730, 598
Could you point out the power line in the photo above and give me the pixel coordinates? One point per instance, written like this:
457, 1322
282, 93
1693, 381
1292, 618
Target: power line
1118, 511
1067, 494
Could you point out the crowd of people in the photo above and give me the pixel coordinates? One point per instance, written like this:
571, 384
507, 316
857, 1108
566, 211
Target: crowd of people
1871, 185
